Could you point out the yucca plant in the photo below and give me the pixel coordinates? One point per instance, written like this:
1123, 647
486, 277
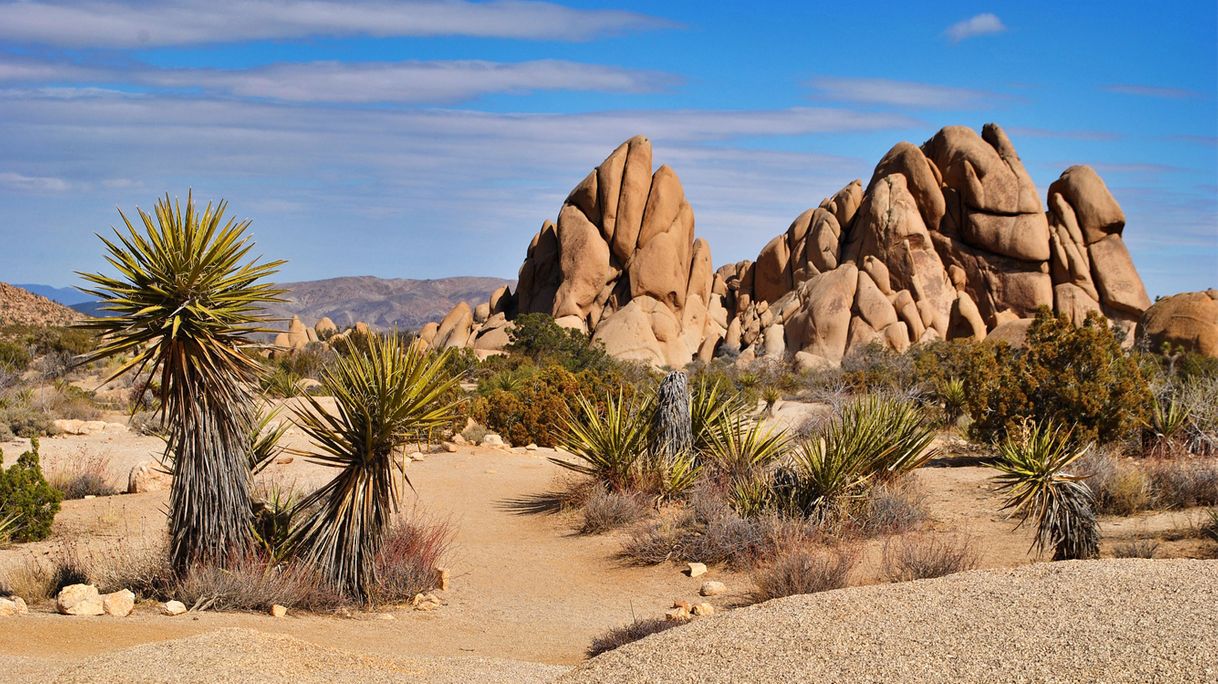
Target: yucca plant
1033, 463
387, 396
1168, 417
875, 440
738, 447
709, 402
953, 395
181, 304
610, 446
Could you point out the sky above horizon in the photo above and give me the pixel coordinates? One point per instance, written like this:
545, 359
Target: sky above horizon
431, 139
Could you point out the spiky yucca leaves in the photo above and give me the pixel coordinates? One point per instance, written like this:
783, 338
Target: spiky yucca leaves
389, 395
738, 447
182, 303
875, 440
612, 445
1033, 465
709, 402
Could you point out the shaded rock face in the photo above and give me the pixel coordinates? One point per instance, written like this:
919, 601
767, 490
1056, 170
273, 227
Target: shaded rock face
948, 240
621, 263
1187, 321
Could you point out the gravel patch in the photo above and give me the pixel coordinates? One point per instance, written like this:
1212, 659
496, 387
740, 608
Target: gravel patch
1095, 621
246, 655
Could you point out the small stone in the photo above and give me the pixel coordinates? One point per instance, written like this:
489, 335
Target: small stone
703, 610
417, 456
173, 608
22, 609
450, 447
284, 460
119, 604
8, 608
531, 447
385, 616
712, 588
459, 439
278, 611
79, 599
677, 615
696, 569
442, 578
492, 439
425, 602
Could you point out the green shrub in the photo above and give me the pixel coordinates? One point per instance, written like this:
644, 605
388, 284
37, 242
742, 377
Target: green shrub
25, 493
1067, 374
538, 337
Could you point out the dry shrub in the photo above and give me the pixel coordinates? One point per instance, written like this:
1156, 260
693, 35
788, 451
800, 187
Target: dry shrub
620, 636
1118, 485
37, 580
1183, 483
82, 474
407, 563
891, 508
924, 556
253, 583
1138, 548
605, 510
804, 571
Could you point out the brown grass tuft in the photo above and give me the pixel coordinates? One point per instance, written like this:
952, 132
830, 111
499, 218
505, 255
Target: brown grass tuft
605, 510
924, 556
804, 571
620, 636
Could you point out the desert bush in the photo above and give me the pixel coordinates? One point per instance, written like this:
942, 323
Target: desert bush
1183, 482
804, 571
1199, 396
606, 510
925, 556
1138, 548
36, 579
1119, 486
876, 368
875, 440
538, 337
408, 560
1078, 375
14, 355
892, 507
1033, 463
534, 410
26, 495
620, 636
252, 582
83, 474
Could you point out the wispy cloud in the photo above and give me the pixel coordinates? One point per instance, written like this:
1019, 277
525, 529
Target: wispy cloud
1032, 132
120, 24
900, 93
21, 182
1152, 91
409, 82
980, 25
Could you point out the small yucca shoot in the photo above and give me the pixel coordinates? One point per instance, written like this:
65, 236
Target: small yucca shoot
1033, 463
609, 445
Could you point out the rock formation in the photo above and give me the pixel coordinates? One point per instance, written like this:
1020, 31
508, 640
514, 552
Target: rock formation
946, 240
1187, 321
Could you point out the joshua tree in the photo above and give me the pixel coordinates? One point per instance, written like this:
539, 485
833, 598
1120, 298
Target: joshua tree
1033, 463
183, 301
387, 396
672, 431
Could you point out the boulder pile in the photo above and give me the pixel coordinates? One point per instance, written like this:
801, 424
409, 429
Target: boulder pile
946, 240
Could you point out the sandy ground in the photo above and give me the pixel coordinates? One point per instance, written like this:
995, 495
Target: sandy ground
526, 590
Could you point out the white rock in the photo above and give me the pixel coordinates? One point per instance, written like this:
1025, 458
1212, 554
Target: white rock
531, 447
173, 608
703, 610
8, 608
22, 609
492, 439
696, 569
148, 476
118, 604
279, 611
79, 599
712, 588
451, 447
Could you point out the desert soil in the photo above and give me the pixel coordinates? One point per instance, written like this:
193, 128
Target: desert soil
527, 594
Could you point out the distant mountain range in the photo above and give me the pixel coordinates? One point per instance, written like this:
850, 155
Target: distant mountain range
379, 302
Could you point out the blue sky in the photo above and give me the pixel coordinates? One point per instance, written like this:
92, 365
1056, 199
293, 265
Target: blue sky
428, 139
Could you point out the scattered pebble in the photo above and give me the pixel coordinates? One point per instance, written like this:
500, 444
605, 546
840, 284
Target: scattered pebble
696, 569
712, 588
172, 608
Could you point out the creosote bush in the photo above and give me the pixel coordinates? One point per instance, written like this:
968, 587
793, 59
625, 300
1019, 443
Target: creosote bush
27, 501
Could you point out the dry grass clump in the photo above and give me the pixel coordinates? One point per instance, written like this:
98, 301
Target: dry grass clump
925, 556
620, 636
605, 510
890, 508
406, 564
1138, 548
804, 571
82, 474
1120, 486
37, 580
1183, 483
252, 583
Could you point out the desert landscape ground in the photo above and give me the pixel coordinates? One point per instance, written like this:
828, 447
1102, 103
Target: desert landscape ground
550, 342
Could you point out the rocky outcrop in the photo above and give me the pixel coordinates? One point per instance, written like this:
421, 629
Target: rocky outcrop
948, 240
620, 264
1187, 321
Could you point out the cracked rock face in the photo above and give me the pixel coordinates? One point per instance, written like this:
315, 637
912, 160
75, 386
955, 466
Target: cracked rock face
948, 239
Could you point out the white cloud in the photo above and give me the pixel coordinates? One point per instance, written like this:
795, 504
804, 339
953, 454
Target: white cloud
901, 93
21, 182
123, 24
408, 82
980, 25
